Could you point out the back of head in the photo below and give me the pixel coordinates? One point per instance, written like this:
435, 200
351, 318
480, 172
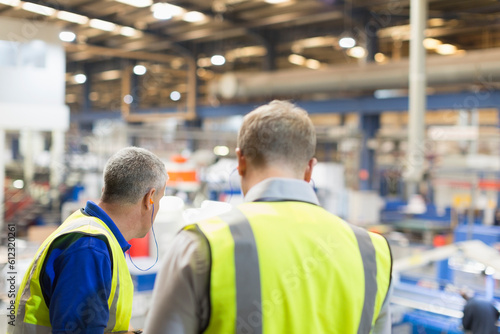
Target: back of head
278, 132
130, 173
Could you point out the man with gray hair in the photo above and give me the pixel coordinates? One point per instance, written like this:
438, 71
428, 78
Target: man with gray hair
278, 263
79, 281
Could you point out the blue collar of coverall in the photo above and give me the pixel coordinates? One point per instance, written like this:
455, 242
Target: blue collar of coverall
94, 210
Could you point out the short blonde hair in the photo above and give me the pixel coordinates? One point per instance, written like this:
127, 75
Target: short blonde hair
278, 132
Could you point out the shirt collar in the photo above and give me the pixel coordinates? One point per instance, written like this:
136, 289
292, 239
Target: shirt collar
94, 210
282, 189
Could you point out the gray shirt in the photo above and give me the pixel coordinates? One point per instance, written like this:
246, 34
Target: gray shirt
180, 298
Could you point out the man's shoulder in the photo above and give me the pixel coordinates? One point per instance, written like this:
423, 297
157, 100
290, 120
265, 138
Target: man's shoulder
69, 243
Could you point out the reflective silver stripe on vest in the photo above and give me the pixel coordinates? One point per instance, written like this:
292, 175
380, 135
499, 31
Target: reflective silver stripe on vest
246, 264
26, 328
370, 268
114, 304
21, 326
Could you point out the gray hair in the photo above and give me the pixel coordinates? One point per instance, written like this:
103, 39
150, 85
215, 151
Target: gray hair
278, 132
130, 173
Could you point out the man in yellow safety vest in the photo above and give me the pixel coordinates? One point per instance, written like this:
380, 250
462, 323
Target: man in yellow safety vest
78, 281
278, 263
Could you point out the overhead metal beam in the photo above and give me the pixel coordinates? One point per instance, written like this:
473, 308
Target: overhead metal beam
83, 50
361, 105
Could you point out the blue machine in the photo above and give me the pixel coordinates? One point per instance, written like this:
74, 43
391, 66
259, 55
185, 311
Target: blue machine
429, 323
487, 234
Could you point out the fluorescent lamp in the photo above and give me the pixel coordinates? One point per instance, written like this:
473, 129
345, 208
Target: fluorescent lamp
347, 42
218, 60
72, 17
13, 3
38, 9
67, 36
165, 11
137, 3
193, 16
102, 25
276, 1
297, 59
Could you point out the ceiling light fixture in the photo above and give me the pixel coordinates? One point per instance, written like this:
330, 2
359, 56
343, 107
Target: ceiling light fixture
218, 60
18, 184
204, 62
436, 22
276, 1
102, 25
80, 78
431, 43
13, 3
38, 9
221, 150
175, 96
193, 17
380, 57
139, 70
72, 17
67, 36
129, 32
357, 52
137, 3
297, 59
446, 49
128, 99
347, 42
313, 64
165, 11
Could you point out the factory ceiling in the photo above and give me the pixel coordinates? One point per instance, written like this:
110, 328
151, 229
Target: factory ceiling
169, 40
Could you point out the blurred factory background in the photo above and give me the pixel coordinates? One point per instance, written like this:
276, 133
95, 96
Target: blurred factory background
405, 98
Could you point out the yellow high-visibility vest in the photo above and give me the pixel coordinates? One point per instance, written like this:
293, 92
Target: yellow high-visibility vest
32, 313
292, 267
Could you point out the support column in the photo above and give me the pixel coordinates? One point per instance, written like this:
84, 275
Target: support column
57, 167
126, 88
134, 88
87, 88
474, 122
270, 58
371, 46
27, 151
498, 173
192, 95
2, 178
417, 97
369, 125
445, 274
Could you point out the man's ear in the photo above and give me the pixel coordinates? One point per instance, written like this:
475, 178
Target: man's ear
148, 199
242, 162
309, 169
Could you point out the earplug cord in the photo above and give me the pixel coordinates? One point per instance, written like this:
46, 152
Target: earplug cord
156, 243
